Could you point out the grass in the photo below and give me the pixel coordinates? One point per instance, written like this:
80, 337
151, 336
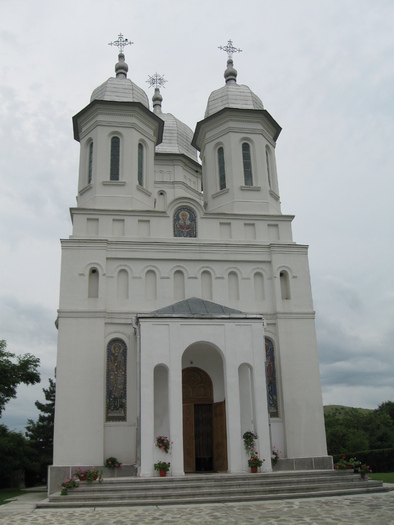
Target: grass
9, 493
386, 477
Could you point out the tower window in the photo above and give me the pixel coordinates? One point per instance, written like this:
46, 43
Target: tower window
267, 156
90, 165
140, 164
115, 158
93, 284
284, 285
222, 169
247, 163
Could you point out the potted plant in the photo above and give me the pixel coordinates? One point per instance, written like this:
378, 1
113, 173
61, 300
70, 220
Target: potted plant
254, 462
88, 474
343, 464
163, 467
113, 463
163, 443
249, 441
69, 483
363, 470
275, 455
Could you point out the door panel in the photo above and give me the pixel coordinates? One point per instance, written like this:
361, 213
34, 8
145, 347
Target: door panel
219, 437
189, 463
203, 437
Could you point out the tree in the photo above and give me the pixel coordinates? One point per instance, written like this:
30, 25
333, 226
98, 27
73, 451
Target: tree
40, 432
16, 458
24, 370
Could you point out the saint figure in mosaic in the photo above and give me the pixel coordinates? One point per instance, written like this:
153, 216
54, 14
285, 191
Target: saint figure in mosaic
185, 224
271, 378
116, 380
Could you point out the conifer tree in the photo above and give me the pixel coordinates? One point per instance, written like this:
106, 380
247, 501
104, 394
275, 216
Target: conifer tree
40, 432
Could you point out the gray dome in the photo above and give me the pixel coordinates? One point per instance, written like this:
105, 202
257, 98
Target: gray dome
177, 137
120, 89
232, 95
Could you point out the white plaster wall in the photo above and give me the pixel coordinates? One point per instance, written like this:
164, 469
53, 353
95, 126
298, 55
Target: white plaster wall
80, 393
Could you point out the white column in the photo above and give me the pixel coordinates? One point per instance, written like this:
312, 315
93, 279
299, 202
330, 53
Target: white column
233, 416
175, 407
147, 410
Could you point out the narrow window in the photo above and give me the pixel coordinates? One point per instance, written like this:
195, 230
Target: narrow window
93, 284
140, 164
222, 169
284, 285
150, 285
90, 165
123, 284
267, 156
179, 285
115, 158
247, 163
258, 281
233, 287
206, 285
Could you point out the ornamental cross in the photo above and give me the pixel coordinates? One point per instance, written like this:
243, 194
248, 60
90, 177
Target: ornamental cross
230, 49
156, 80
121, 43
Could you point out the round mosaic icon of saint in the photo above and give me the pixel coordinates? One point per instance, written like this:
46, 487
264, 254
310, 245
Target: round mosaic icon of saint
185, 223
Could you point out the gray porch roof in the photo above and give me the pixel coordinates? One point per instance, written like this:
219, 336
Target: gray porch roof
199, 308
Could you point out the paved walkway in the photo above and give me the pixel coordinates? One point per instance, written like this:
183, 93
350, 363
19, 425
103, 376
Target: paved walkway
376, 509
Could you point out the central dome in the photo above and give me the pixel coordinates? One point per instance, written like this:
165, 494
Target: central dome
232, 95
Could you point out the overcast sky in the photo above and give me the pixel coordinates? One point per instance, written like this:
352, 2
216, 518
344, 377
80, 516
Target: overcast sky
324, 70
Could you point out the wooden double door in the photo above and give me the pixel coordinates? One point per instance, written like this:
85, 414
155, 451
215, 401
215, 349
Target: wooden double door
204, 424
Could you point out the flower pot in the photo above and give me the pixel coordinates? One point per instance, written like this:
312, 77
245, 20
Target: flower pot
253, 470
163, 473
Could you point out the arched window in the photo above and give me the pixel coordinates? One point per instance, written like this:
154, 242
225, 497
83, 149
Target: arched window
185, 222
90, 163
140, 164
206, 285
284, 284
247, 164
258, 281
179, 285
150, 285
115, 158
116, 388
272, 390
222, 169
93, 284
123, 284
233, 286
268, 159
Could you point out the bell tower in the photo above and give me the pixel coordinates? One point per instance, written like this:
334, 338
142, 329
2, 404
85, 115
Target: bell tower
237, 140
118, 134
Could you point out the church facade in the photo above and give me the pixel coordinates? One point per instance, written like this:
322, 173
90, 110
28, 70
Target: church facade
185, 305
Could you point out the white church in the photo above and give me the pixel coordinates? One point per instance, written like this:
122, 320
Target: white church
185, 305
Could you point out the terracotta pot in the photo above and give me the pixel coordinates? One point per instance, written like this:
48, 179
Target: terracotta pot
253, 470
163, 473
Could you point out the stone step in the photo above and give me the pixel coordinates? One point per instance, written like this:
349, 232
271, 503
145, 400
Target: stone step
212, 488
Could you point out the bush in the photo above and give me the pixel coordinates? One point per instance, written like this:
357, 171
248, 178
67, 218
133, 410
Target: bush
379, 460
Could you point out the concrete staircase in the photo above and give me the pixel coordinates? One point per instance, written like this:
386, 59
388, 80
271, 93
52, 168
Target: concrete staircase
212, 488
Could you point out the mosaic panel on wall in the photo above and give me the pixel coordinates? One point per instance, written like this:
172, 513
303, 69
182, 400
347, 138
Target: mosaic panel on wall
272, 391
185, 222
116, 380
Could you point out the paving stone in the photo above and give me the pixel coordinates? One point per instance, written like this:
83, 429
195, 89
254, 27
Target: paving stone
346, 510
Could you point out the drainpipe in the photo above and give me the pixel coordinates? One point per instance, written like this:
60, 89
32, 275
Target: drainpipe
136, 327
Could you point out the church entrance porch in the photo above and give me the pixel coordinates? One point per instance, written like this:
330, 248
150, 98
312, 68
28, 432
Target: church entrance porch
204, 424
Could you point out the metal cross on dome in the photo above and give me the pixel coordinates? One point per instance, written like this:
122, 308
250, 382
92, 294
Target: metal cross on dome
230, 49
156, 80
121, 43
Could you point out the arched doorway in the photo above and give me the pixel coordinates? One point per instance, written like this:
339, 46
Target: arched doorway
204, 424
